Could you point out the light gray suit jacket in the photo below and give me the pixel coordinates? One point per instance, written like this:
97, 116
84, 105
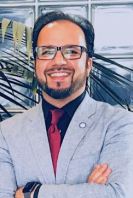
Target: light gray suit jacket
98, 133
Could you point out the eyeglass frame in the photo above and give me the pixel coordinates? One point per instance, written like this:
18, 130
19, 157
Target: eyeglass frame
59, 48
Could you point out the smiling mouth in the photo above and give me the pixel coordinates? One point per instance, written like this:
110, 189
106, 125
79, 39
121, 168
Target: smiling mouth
59, 73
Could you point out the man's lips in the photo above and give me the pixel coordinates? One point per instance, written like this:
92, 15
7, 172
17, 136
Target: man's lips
59, 73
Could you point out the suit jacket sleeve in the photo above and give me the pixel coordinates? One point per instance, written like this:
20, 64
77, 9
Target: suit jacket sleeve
7, 175
117, 151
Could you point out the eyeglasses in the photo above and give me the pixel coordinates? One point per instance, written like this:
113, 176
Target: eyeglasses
69, 52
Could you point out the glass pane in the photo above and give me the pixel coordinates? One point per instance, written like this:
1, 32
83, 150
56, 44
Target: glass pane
111, 1
110, 86
113, 30
24, 15
16, 61
15, 94
60, 0
80, 10
13, 1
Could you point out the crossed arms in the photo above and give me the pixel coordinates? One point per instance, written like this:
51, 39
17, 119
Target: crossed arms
117, 152
99, 175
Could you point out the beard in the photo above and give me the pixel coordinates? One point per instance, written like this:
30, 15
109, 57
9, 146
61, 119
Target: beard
58, 94
64, 92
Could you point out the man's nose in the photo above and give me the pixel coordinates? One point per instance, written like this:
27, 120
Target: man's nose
59, 59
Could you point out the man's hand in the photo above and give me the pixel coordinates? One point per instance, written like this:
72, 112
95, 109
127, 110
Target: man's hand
99, 174
19, 193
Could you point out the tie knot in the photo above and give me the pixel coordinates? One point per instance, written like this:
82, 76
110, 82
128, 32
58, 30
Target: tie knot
56, 115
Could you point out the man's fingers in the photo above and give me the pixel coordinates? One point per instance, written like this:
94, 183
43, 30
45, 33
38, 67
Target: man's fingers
19, 193
98, 171
102, 179
107, 172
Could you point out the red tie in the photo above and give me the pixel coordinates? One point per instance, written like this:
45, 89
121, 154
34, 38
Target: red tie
54, 136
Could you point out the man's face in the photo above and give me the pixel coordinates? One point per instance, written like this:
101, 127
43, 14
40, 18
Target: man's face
59, 77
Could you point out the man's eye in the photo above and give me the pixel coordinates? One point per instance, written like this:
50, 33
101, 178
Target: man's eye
71, 51
47, 52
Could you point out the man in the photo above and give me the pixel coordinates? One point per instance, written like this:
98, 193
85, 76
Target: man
32, 163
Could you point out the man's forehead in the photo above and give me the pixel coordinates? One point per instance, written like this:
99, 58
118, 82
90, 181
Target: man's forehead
61, 24
61, 32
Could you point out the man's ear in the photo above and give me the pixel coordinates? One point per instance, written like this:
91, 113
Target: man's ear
89, 65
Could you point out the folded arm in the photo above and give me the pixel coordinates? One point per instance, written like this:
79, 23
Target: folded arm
117, 151
99, 175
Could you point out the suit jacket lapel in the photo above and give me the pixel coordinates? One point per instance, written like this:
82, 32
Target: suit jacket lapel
39, 142
79, 126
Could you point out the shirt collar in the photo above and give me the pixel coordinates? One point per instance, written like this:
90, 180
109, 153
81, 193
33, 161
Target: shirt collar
69, 108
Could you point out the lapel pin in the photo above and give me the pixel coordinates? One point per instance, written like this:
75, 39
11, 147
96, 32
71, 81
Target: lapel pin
82, 125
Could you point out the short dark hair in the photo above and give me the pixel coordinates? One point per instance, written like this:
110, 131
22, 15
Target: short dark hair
49, 17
